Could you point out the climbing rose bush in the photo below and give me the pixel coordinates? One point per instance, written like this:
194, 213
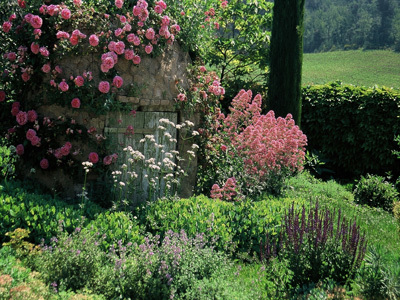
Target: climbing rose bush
38, 35
251, 152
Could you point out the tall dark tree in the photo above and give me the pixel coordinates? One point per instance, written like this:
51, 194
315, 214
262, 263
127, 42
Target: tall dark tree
286, 58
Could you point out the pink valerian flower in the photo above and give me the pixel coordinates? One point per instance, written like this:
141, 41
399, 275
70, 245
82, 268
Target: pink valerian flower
35, 48
216, 88
65, 14
30, 134
22, 118
93, 157
2, 96
93, 40
63, 86
46, 68
104, 87
32, 116
79, 81
118, 82
216, 192
20, 149
148, 49
76, 103
227, 192
119, 3
7, 26
129, 130
44, 164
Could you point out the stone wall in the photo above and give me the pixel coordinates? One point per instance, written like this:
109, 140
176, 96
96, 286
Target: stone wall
149, 87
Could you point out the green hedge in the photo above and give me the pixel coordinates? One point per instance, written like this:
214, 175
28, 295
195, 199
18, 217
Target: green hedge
39, 213
236, 226
353, 127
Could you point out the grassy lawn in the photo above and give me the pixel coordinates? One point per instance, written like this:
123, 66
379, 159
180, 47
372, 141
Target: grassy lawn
364, 68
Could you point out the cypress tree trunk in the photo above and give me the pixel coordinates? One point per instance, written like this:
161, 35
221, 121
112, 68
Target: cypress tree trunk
286, 58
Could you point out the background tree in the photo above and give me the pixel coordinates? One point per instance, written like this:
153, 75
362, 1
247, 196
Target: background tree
284, 89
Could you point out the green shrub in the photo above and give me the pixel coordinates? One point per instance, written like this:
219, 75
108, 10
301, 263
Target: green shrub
353, 127
396, 211
8, 158
40, 214
235, 226
116, 227
374, 191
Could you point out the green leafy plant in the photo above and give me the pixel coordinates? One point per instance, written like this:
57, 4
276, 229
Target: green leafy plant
375, 191
352, 126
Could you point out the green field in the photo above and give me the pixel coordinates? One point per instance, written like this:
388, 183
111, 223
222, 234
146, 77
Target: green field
365, 68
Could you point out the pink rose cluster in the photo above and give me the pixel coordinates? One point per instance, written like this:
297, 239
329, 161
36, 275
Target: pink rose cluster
109, 159
32, 137
23, 117
59, 153
108, 61
140, 10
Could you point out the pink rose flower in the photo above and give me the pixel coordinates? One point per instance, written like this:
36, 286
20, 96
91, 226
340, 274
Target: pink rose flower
58, 69
119, 47
118, 31
46, 68
223, 148
118, 81
30, 134
62, 35
79, 81
36, 21
11, 56
35, 48
111, 45
64, 150
150, 34
93, 157
74, 40
32, 116
43, 51
136, 59
22, 3
129, 54
148, 49
63, 86
78, 2
107, 160
158, 9
2, 96
76, 103
25, 76
65, 14
20, 149
7, 26
93, 40
22, 118
119, 3
44, 163
122, 19
104, 87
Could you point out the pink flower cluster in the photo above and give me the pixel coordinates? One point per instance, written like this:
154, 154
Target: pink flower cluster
63, 151
227, 192
216, 88
267, 145
140, 10
32, 137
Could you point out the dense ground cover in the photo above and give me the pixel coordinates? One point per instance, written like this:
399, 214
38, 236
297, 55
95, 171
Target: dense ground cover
364, 68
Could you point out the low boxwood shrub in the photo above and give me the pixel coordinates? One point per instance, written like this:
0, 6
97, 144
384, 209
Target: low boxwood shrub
375, 191
40, 214
234, 226
353, 127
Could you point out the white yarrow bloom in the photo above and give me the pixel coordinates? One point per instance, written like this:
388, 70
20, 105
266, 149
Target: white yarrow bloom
194, 132
195, 146
191, 124
161, 127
